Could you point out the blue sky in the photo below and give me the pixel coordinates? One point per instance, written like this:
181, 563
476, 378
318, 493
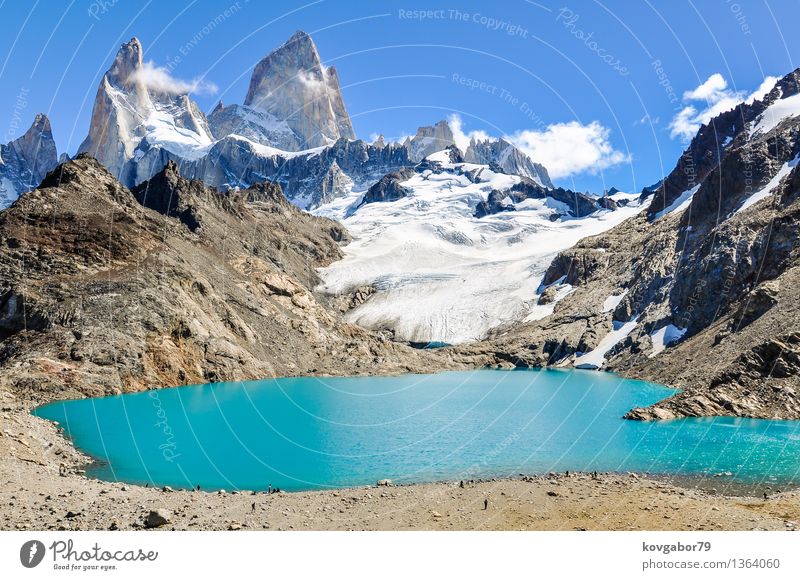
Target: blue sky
603, 93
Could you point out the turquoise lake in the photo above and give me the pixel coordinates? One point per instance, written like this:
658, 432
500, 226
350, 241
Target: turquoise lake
311, 433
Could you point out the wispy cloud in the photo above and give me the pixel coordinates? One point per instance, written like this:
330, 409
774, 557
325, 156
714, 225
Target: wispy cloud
310, 80
159, 78
763, 89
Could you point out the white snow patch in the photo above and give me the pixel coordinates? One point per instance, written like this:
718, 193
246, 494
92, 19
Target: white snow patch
596, 358
442, 156
612, 301
267, 151
680, 203
8, 192
777, 112
623, 196
766, 191
539, 311
665, 336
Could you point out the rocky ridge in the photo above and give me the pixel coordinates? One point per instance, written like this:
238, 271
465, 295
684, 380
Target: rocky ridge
104, 289
705, 285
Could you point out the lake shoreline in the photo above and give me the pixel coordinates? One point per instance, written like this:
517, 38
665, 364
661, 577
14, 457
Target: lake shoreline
534, 440
45, 488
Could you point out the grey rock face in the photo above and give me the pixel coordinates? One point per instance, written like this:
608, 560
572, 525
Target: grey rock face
114, 130
308, 179
292, 85
578, 204
25, 161
253, 124
389, 187
335, 183
429, 139
510, 159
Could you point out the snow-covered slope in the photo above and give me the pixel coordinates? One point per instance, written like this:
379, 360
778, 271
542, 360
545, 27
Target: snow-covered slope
439, 273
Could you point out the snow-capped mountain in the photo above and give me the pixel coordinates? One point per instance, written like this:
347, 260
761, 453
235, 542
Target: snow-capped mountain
133, 116
432, 270
293, 129
308, 178
25, 161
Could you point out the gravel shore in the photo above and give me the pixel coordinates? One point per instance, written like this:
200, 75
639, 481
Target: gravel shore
42, 487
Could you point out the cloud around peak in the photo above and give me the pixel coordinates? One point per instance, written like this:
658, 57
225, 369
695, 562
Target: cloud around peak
159, 78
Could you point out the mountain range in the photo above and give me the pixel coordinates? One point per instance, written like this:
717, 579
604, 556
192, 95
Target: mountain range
265, 239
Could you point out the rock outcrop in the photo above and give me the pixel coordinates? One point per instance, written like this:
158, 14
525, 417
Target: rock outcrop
508, 158
103, 289
389, 187
429, 139
573, 204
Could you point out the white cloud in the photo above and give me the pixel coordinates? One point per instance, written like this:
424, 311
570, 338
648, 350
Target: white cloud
461, 138
569, 148
763, 89
158, 78
711, 90
718, 99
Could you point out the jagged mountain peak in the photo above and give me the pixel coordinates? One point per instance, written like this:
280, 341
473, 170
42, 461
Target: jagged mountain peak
720, 136
126, 63
133, 116
430, 139
25, 161
507, 157
293, 85
300, 38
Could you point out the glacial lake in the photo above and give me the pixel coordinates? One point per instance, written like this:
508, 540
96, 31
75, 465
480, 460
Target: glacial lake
313, 433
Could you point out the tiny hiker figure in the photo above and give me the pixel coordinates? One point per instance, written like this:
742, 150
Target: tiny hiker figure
253, 508
486, 504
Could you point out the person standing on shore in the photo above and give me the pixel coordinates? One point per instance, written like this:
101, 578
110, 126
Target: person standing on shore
486, 504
